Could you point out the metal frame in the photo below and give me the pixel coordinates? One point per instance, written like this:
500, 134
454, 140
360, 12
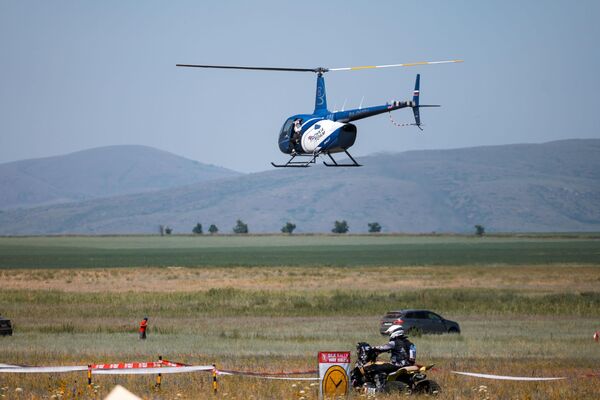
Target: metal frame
335, 163
298, 164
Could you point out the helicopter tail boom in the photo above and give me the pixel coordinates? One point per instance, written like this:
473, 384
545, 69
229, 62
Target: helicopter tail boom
360, 113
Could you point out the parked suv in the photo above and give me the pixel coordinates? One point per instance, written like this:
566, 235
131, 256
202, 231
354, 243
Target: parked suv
5, 327
423, 321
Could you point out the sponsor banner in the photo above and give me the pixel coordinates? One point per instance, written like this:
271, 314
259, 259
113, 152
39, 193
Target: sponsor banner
334, 374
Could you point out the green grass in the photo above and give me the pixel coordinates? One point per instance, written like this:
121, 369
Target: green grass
54, 310
86, 252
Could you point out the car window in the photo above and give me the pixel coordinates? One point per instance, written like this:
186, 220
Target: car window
392, 315
410, 315
420, 315
434, 317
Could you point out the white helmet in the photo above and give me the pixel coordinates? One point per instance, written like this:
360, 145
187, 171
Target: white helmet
395, 331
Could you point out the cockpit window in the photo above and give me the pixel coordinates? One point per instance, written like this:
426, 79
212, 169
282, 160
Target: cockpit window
287, 128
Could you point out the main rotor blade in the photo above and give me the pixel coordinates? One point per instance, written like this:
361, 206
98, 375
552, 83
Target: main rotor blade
395, 65
252, 68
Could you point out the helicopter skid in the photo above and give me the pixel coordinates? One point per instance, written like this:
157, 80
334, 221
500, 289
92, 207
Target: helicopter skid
336, 164
298, 164
313, 158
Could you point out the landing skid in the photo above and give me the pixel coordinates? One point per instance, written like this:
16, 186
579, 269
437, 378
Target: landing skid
312, 158
298, 164
335, 163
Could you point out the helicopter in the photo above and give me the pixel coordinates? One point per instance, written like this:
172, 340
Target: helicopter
305, 137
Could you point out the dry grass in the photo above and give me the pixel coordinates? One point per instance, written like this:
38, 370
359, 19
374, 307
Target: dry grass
53, 331
550, 279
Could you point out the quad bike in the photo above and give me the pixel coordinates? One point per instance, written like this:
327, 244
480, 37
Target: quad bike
372, 376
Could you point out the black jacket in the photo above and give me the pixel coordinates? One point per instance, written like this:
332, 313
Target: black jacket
400, 349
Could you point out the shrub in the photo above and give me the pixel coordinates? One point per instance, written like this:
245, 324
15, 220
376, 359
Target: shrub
340, 227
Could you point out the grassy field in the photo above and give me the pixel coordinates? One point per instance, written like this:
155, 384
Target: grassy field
524, 310
84, 252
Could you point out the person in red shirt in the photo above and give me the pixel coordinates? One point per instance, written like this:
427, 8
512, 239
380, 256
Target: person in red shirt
143, 327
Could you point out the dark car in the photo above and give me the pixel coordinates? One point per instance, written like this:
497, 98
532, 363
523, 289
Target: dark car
5, 327
422, 321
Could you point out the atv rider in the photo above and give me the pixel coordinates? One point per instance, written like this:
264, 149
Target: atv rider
403, 354
403, 350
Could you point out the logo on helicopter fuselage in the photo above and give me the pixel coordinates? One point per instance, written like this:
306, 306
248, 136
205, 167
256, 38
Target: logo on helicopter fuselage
316, 136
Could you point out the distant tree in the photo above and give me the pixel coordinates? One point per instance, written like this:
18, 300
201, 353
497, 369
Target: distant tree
240, 227
374, 227
161, 229
168, 230
340, 227
213, 229
288, 228
479, 230
198, 229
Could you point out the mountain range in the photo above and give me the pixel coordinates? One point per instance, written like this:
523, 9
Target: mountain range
549, 187
100, 172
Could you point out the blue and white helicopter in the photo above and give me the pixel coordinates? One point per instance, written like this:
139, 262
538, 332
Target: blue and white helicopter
325, 132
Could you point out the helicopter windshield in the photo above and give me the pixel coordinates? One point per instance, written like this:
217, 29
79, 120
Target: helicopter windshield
286, 130
285, 136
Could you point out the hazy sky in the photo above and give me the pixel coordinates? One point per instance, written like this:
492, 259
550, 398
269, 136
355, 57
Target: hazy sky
82, 74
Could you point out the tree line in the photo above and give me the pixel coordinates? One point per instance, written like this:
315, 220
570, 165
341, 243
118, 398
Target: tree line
339, 227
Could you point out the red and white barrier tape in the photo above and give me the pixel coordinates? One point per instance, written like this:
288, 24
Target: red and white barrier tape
169, 367
157, 364
287, 373
33, 370
284, 376
162, 367
279, 378
150, 368
135, 365
173, 364
509, 378
153, 370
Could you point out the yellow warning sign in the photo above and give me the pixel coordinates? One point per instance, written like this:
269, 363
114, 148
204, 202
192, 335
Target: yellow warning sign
335, 382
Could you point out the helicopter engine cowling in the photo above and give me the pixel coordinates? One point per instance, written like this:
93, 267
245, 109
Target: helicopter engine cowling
329, 136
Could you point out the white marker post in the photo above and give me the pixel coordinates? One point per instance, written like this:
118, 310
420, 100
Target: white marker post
334, 374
